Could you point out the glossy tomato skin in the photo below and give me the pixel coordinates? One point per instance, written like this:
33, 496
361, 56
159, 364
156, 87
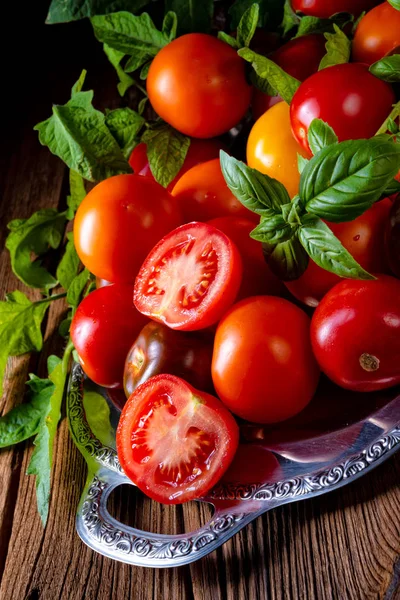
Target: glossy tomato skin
103, 329
198, 85
392, 237
258, 278
355, 333
119, 222
159, 349
173, 441
377, 34
272, 148
364, 238
326, 8
202, 194
341, 96
263, 367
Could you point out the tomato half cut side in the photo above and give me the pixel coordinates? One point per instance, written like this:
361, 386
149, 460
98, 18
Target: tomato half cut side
173, 441
190, 278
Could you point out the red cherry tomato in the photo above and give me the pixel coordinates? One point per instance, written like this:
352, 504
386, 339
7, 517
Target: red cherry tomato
300, 58
202, 194
190, 278
173, 441
103, 329
198, 85
341, 96
263, 367
392, 237
363, 238
119, 222
377, 34
326, 8
258, 278
355, 333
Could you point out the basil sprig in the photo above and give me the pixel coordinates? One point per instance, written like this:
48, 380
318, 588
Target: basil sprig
388, 68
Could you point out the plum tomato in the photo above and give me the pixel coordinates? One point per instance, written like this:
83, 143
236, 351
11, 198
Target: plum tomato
119, 222
300, 58
190, 278
173, 441
326, 8
258, 278
103, 329
392, 237
198, 85
159, 349
377, 34
355, 334
263, 367
364, 238
202, 194
341, 96
272, 149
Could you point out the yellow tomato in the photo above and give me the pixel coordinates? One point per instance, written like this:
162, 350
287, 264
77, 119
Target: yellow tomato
272, 149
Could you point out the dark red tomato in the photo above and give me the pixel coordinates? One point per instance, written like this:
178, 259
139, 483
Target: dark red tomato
159, 349
341, 96
393, 237
263, 367
190, 278
103, 329
355, 333
202, 194
198, 85
326, 8
300, 58
377, 34
173, 441
258, 278
119, 222
364, 238
199, 151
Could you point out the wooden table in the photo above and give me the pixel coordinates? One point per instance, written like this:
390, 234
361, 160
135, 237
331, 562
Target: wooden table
345, 545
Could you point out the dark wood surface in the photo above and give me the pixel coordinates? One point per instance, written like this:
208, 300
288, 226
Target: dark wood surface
345, 545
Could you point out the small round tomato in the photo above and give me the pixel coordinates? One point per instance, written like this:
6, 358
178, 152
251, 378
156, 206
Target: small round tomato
202, 194
119, 222
341, 96
190, 278
272, 149
363, 238
326, 8
159, 349
258, 278
392, 237
173, 441
263, 367
355, 333
104, 326
198, 85
377, 34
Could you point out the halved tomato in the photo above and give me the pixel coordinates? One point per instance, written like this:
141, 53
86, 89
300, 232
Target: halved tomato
173, 441
190, 278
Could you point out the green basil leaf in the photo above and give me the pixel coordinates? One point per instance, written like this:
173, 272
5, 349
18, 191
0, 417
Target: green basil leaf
68, 266
166, 151
239, 7
136, 61
326, 250
394, 114
288, 260
76, 288
170, 25
393, 128
257, 192
193, 16
272, 229
301, 163
338, 48
125, 125
388, 68
247, 26
43, 230
392, 188
343, 180
62, 11
77, 194
115, 57
320, 135
290, 19
284, 84
228, 39
97, 413
395, 4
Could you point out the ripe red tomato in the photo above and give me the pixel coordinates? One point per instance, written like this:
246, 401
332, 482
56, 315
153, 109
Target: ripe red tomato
173, 441
326, 8
300, 58
363, 238
103, 329
202, 194
198, 85
119, 222
258, 278
341, 96
355, 333
392, 237
377, 34
263, 367
190, 278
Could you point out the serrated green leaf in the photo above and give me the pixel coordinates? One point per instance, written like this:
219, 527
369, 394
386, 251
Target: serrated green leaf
388, 68
288, 260
144, 71
125, 125
338, 48
115, 57
77, 87
68, 266
97, 413
166, 151
228, 39
62, 11
290, 19
136, 61
320, 135
247, 26
76, 195
239, 7
193, 16
395, 4
170, 25
77, 287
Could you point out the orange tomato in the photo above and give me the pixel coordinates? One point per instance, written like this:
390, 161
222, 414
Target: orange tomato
377, 34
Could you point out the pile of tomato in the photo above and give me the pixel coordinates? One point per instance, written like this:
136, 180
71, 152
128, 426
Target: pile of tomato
188, 318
